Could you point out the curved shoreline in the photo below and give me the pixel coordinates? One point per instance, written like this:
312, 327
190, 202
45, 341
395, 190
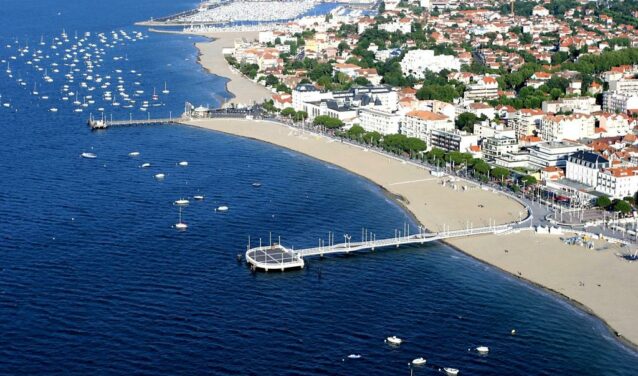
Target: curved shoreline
540, 260
533, 263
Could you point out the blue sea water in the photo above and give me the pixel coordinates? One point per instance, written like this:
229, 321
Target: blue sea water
94, 279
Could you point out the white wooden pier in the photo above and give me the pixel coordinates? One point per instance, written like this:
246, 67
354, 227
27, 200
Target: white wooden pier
278, 257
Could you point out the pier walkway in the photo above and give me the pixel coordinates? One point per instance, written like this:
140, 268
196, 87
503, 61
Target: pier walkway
278, 257
103, 124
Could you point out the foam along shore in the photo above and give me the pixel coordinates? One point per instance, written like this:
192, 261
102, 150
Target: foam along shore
572, 271
245, 91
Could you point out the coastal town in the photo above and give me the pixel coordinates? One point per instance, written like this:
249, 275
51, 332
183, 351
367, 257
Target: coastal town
541, 92
536, 101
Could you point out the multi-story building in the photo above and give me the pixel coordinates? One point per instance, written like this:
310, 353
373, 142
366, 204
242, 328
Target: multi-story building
308, 98
584, 166
611, 125
618, 182
582, 105
620, 102
416, 62
420, 124
378, 120
624, 85
453, 140
526, 122
494, 147
552, 154
484, 88
570, 127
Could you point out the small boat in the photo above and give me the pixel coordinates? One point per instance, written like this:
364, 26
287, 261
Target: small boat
451, 371
134, 154
53, 109
183, 163
256, 184
222, 208
159, 176
165, 91
419, 361
181, 201
394, 340
181, 225
483, 349
354, 356
198, 197
88, 155
145, 165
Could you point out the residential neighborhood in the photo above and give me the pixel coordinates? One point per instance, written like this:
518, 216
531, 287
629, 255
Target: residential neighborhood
529, 86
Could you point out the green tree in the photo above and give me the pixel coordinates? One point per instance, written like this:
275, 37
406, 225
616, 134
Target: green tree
271, 80
300, 115
356, 132
500, 173
328, 122
362, 81
480, 166
528, 180
288, 112
603, 202
622, 206
466, 121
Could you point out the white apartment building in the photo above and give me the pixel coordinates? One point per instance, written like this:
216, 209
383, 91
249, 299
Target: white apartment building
552, 154
526, 122
584, 166
307, 93
403, 25
415, 62
453, 140
420, 124
494, 147
377, 120
485, 88
444, 4
620, 102
618, 182
624, 85
613, 125
570, 127
581, 105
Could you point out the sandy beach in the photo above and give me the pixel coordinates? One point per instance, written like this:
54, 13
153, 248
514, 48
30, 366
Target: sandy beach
597, 280
245, 91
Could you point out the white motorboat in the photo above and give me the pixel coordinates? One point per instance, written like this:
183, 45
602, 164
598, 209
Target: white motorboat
134, 154
198, 197
394, 340
88, 155
354, 356
451, 371
256, 184
181, 225
222, 208
183, 163
53, 109
181, 201
419, 361
483, 349
159, 176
